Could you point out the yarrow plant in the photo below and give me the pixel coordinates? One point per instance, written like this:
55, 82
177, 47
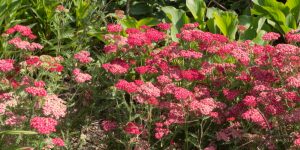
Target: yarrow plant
26, 105
235, 90
148, 92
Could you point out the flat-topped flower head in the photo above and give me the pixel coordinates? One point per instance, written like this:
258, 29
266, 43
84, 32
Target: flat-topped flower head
43, 125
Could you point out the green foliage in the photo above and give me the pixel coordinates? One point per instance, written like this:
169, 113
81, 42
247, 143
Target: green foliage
177, 17
256, 27
12, 132
227, 23
282, 17
198, 9
10, 12
130, 22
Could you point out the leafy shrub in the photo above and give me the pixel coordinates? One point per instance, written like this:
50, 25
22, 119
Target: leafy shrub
153, 85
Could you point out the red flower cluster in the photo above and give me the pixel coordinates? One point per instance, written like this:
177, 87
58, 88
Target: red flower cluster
133, 128
23, 30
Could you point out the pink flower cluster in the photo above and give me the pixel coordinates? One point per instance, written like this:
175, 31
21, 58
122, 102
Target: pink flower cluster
25, 45
36, 91
270, 36
293, 81
43, 125
133, 128
139, 38
108, 125
129, 87
54, 106
112, 48
116, 66
58, 142
164, 26
7, 100
24, 30
6, 65
81, 77
39, 83
14, 119
83, 57
114, 28
160, 130
204, 106
293, 36
148, 89
255, 116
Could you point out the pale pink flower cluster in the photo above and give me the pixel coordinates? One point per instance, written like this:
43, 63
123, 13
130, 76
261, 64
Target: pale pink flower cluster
149, 90
25, 45
7, 100
81, 77
83, 57
182, 93
14, 119
117, 66
204, 106
6, 65
54, 106
162, 79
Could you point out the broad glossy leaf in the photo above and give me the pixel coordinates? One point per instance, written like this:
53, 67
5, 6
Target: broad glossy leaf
294, 6
278, 13
178, 18
197, 8
245, 20
227, 23
273, 4
128, 22
291, 21
210, 11
147, 21
258, 38
211, 25
255, 26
